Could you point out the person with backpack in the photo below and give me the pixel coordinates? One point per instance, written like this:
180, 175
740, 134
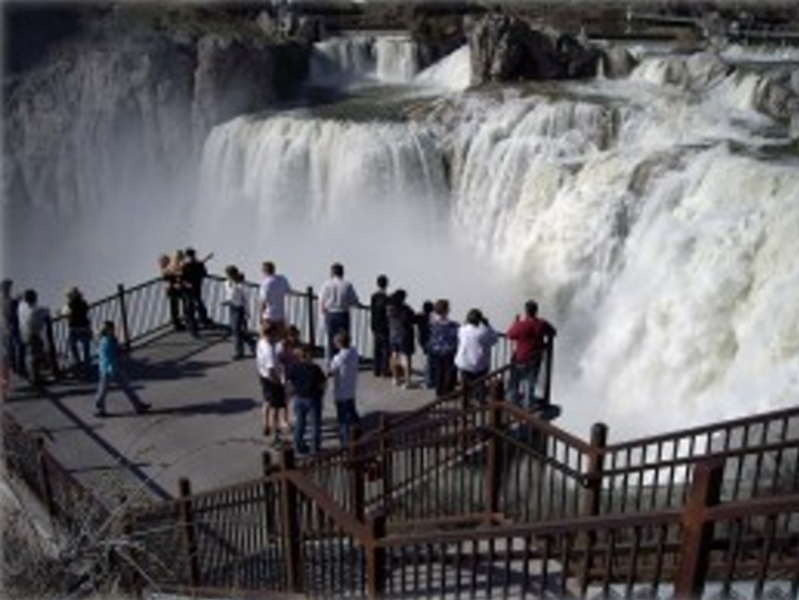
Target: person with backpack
442, 345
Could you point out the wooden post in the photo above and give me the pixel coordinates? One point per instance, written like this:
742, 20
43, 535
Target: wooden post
311, 317
123, 316
593, 477
697, 530
493, 475
291, 523
189, 534
357, 477
546, 400
55, 368
385, 459
44, 479
266, 464
376, 572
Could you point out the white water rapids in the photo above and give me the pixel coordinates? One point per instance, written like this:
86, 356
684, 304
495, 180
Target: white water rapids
654, 218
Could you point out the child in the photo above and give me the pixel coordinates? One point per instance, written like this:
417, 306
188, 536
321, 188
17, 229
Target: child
108, 359
344, 371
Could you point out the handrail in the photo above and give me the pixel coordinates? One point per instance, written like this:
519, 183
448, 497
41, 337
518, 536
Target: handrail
717, 427
543, 528
547, 428
761, 507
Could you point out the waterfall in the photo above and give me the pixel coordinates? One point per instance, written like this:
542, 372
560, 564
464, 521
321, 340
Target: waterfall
348, 59
659, 244
653, 218
453, 72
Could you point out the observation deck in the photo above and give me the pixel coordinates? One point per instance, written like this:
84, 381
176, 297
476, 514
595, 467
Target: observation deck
205, 422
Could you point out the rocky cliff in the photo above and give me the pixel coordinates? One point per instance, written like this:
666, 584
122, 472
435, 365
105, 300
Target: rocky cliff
130, 96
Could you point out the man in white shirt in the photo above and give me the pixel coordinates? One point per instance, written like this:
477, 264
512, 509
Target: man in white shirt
473, 357
336, 297
272, 295
267, 360
32, 322
344, 371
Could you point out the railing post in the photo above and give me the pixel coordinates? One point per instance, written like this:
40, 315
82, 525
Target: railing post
123, 316
357, 476
385, 459
546, 400
44, 478
311, 317
267, 465
593, 477
189, 534
376, 572
290, 521
52, 352
697, 530
493, 474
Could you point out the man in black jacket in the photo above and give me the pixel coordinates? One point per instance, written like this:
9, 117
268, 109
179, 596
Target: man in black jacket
193, 275
379, 324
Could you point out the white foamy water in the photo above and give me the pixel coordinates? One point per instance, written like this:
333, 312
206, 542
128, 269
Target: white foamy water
453, 72
358, 58
308, 192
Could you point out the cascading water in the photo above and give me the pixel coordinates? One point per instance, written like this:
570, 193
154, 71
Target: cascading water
360, 58
649, 217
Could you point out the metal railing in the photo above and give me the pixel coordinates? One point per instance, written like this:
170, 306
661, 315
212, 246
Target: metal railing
746, 549
141, 314
589, 516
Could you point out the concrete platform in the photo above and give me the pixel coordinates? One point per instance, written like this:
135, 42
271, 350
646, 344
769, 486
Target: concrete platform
205, 423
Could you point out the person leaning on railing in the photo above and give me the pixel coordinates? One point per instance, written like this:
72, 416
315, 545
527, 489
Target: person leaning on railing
194, 273
476, 337
172, 287
529, 334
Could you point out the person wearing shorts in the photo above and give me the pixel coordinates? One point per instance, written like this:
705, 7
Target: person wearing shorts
267, 357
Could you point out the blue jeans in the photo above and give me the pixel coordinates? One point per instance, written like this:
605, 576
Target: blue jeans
334, 323
522, 383
307, 409
124, 384
238, 329
381, 354
347, 417
80, 341
429, 381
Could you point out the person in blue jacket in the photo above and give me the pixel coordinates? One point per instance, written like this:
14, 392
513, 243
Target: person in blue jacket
109, 366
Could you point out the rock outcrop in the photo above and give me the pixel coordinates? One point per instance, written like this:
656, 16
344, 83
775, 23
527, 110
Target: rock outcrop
505, 48
617, 62
132, 100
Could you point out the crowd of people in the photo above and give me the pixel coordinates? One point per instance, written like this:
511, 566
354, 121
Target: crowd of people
451, 351
293, 384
